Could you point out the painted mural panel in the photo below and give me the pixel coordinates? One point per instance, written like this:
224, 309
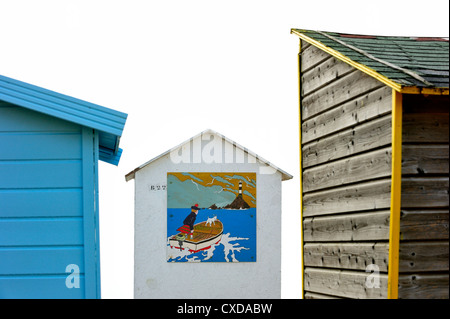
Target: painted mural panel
211, 217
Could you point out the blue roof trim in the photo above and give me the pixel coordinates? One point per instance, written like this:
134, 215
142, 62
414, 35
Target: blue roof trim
108, 156
110, 122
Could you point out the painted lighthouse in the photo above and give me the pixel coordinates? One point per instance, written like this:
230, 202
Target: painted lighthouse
239, 202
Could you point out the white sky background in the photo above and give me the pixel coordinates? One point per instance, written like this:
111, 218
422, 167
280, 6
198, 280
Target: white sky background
178, 67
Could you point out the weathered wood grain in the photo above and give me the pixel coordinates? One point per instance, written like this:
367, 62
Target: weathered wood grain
417, 159
424, 224
367, 226
363, 108
425, 159
425, 192
363, 137
304, 45
423, 286
351, 256
344, 283
313, 295
340, 91
364, 196
359, 168
312, 56
424, 231
323, 73
423, 256
425, 128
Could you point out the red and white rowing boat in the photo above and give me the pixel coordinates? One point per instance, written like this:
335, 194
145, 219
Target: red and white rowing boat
203, 237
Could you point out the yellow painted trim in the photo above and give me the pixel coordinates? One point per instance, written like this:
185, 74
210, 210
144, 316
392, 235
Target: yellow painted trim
301, 166
371, 72
424, 91
396, 193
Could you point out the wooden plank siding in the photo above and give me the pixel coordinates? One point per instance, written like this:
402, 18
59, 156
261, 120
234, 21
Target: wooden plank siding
346, 136
424, 234
346, 170
41, 204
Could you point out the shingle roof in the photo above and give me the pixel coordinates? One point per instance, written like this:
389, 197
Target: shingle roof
108, 122
404, 61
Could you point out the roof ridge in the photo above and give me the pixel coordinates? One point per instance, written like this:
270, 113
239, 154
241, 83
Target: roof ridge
285, 175
370, 56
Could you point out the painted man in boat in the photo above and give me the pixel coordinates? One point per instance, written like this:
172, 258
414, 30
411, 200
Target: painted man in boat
188, 223
206, 234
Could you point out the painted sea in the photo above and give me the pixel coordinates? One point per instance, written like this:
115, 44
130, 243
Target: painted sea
238, 243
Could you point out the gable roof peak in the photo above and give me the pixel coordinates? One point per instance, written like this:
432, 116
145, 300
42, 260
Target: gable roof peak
271, 167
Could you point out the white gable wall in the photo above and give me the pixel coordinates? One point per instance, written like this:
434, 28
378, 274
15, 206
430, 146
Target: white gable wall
157, 278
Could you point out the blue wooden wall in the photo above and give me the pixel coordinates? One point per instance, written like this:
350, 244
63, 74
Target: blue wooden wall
48, 211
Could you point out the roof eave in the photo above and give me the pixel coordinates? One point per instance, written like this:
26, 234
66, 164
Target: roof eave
371, 72
424, 90
64, 107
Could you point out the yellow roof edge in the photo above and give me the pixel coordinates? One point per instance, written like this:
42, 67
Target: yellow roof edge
424, 91
397, 87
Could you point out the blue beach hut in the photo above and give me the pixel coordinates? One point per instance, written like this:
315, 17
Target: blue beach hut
50, 145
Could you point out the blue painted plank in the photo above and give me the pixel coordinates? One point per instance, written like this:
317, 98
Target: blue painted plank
41, 231
41, 203
96, 214
108, 141
62, 111
39, 260
40, 146
109, 157
40, 174
19, 119
39, 287
91, 255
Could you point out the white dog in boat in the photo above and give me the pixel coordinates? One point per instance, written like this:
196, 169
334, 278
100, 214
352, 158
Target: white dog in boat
211, 221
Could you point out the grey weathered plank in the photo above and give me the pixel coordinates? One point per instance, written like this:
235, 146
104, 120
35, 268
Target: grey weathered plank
424, 224
343, 283
313, 295
423, 256
323, 73
340, 91
423, 286
425, 192
363, 108
425, 128
367, 166
363, 137
312, 56
352, 256
417, 159
364, 196
304, 45
425, 159
367, 226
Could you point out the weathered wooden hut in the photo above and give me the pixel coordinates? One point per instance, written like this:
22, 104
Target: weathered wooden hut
374, 115
50, 145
